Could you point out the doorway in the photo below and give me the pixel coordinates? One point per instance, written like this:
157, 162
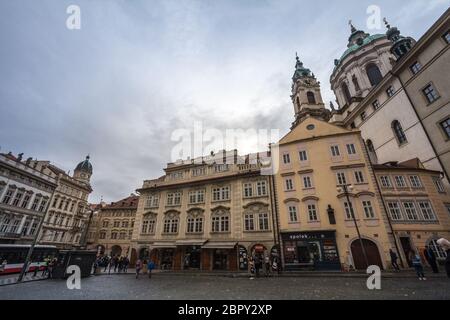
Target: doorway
373, 255
407, 248
220, 259
192, 258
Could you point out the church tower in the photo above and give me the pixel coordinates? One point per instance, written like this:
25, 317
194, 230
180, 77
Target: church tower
306, 96
83, 171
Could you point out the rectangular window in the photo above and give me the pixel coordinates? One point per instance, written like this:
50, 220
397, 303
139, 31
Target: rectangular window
400, 181
289, 185
105, 224
197, 196
376, 105
385, 181
430, 93
363, 116
410, 210
390, 91
170, 199
395, 211
307, 184
26, 200
177, 198
351, 149
220, 194
152, 201
15, 226
303, 155
359, 177
293, 217
5, 225
17, 198
427, 211
312, 212
261, 188
8, 196
335, 151
445, 126
220, 224
368, 210
416, 67
42, 205
341, 180
249, 222
415, 181
263, 219
248, 190
33, 228
446, 37
349, 212
190, 225
198, 225
286, 158
439, 185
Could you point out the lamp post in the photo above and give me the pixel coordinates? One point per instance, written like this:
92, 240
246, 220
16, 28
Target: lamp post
345, 188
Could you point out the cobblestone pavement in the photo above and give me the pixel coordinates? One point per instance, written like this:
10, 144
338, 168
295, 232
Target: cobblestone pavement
216, 287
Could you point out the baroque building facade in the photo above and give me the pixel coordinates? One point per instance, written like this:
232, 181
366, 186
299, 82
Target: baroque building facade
112, 225
25, 195
317, 161
67, 215
397, 92
207, 213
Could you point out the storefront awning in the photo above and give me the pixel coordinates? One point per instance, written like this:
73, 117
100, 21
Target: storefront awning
190, 242
164, 245
219, 245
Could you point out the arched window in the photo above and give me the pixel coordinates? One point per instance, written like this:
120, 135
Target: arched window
298, 102
374, 74
148, 224
370, 146
347, 95
399, 133
311, 97
171, 223
194, 222
220, 221
372, 153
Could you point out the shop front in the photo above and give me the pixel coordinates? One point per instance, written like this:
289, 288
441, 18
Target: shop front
315, 250
220, 256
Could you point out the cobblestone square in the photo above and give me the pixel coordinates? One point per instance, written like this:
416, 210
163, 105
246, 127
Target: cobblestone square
194, 287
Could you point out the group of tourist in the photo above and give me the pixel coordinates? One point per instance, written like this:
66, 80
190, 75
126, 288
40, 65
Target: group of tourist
416, 260
261, 262
118, 264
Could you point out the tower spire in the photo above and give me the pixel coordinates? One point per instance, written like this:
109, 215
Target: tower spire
400, 44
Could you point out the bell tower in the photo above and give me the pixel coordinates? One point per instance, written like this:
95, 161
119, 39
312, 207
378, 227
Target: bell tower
306, 96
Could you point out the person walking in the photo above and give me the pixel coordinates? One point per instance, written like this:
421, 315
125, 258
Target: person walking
138, 267
251, 267
417, 264
116, 263
106, 261
445, 245
267, 265
431, 259
111, 265
150, 267
144, 266
126, 262
394, 259
45, 267
257, 261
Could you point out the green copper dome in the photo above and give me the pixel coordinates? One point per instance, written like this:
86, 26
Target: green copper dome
356, 47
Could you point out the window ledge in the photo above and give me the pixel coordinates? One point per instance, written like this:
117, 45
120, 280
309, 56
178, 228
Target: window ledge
257, 231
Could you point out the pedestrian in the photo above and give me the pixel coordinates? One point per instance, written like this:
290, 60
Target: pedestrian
251, 267
116, 263
275, 265
106, 260
257, 261
417, 263
267, 265
150, 267
120, 263
3, 265
144, 266
126, 262
445, 245
138, 267
394, 259
51, 267
431, 259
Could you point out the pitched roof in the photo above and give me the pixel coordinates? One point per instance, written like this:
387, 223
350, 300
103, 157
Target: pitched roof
129, 202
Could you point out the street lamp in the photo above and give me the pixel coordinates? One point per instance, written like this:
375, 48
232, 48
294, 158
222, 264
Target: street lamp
345, 188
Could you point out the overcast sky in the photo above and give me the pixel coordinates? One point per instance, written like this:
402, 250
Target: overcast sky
138, 70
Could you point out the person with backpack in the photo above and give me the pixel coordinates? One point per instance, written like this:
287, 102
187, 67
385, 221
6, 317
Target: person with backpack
418, 266
150, 267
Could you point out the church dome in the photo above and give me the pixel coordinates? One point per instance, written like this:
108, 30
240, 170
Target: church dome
85, 166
